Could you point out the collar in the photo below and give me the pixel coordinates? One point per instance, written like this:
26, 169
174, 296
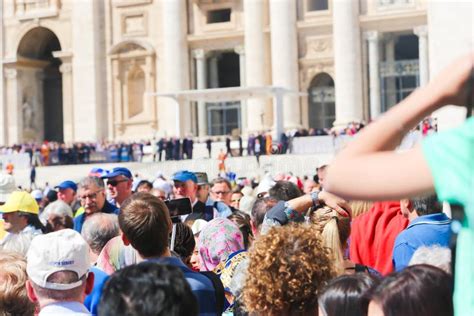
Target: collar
436, 219
168, 260
64, 307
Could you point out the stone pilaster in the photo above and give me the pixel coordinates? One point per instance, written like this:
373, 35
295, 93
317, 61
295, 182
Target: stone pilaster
347, 62
285, 57
422, 33
374, 78
200, 60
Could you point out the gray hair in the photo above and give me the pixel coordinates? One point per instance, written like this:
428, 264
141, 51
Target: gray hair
58, 208
433, 255
91, 181
98, 229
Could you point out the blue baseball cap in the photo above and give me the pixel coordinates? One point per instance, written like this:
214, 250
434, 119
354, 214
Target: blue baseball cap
66, 185
184, 175
119, 171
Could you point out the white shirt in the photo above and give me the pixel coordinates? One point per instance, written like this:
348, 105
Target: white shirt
64, 308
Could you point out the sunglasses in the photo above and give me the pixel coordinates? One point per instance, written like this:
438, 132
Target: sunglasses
114, 183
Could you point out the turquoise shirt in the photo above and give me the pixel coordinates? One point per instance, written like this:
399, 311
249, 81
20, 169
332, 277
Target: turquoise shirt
450, 156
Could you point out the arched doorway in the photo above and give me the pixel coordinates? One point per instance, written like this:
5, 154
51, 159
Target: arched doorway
321, 100
41, 86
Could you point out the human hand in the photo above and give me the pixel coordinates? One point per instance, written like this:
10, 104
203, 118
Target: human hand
454, 84
338, 204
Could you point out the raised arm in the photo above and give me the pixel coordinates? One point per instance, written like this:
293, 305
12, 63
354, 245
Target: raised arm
369, 168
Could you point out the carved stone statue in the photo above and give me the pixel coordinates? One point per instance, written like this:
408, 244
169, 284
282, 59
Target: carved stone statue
28, 116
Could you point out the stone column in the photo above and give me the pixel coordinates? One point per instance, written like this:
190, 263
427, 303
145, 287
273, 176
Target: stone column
3, 125
243, 103
213, 72
374, 78
200, 59
68, 107
13, 110
256, 62
285, 57
390, 81
175, 63
422, 33
88, 78
347, 62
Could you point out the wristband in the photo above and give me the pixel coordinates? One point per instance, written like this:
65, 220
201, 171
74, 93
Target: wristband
315, 198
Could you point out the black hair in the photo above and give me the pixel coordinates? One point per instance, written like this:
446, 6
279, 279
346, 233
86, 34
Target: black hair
427, 205
344, 296
260, 208
145, 183
147, 289
33, 220
417, 290
242, 220
184, 242
285, 191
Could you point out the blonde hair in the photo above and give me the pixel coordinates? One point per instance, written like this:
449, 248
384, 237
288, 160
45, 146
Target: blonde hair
13, 297
360, 207
335, 231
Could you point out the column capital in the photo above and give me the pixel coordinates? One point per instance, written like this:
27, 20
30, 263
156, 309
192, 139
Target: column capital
65, 68
421, 31
240, 49
11, 73
199, 53
372, 36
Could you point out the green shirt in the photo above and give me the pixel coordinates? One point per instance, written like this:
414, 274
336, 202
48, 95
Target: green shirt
450, 156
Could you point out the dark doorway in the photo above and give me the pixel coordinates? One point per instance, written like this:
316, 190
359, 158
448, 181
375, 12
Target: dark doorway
39, 44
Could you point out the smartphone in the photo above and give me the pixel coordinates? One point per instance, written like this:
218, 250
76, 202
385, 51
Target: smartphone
179, 207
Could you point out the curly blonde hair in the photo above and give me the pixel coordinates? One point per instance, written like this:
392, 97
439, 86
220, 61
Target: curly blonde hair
289, 266
335, 231
13, 297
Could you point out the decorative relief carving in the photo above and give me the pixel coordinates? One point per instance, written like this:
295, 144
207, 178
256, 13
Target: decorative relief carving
309, 72
318, 47
134, 24
128, 48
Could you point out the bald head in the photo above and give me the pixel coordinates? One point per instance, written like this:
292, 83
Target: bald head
98, 229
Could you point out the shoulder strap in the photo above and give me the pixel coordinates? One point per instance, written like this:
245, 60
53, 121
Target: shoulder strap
218, 289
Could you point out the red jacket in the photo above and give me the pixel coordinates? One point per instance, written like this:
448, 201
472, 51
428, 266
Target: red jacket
373, 235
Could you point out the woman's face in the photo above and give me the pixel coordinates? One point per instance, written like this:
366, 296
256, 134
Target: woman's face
195, 258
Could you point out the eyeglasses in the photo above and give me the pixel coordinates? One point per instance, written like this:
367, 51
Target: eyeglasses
114, 183
220, 192
261, 195
91, 196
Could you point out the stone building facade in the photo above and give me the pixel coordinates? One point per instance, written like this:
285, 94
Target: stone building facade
81, 70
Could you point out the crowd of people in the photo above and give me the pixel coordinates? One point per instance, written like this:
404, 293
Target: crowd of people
354, 238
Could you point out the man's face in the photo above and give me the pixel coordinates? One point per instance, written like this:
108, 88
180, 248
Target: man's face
14, 223
120, 188
322, 177
235, 200
66, 195
92, 199
185, 189
221, 192
203, 192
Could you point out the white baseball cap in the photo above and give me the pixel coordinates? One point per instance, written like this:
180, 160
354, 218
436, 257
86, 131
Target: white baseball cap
7, 186
64, 250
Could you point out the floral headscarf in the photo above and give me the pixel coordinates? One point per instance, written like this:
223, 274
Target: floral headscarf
220, 238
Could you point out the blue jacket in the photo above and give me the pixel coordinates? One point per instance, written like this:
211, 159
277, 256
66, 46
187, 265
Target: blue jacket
107, 208
426, 230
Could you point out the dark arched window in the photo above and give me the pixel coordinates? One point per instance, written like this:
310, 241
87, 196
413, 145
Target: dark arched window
321, 101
